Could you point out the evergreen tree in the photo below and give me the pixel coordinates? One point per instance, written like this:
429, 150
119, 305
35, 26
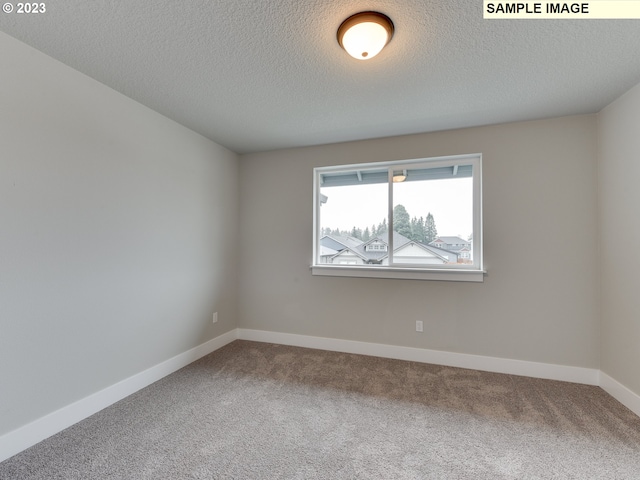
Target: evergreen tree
431, 232
418, 231
401, 221
382, 227
366, 235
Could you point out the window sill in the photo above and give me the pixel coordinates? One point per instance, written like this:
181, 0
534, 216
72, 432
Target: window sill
449, 275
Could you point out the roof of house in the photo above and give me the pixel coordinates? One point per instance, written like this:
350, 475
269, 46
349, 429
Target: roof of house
339, 242
452, 240
347, 240
353, 251
324, 251
448, 255
399, 242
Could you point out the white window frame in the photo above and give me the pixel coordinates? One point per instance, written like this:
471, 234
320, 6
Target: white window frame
451, 272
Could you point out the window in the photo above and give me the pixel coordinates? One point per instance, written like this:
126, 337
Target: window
419, 219
376, 246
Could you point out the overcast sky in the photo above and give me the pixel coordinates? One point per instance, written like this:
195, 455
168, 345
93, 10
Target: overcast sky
449, 201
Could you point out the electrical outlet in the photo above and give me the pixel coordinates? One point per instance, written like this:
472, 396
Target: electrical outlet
419, 326
215, 317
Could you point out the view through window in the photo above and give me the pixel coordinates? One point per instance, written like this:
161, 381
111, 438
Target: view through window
431, 206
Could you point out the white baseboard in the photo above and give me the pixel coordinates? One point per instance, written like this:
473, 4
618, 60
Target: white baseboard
586, 376
629, 399
24, 437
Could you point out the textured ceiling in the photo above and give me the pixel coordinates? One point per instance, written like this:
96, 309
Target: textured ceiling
256, 75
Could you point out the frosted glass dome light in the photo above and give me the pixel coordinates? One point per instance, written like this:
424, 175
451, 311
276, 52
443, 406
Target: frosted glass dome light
365, 34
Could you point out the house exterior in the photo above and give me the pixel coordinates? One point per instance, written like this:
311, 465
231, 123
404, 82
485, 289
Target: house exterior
415, 253
351, 251
455, 244
332, 245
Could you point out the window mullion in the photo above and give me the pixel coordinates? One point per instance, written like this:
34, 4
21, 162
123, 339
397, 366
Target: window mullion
390, 219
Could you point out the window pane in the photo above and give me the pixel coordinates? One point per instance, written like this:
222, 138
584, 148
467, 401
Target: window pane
353, 226
433, 204
433, 216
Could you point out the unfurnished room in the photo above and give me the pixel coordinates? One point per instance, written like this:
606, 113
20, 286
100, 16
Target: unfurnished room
319, 240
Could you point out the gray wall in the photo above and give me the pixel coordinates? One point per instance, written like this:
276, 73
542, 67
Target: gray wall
117, 236
619, 200
540, 299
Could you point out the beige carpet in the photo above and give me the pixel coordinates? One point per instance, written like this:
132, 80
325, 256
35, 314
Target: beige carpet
262, 411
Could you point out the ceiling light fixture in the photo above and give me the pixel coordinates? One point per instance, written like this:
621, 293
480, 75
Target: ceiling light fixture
399, 177
365, 34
